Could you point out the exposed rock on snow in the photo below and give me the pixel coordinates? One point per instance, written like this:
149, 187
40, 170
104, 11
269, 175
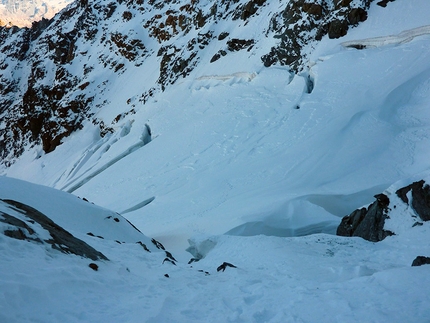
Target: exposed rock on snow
302, 23
421, 260
224, 265
59, 239
367, 223
370, 223
420, 194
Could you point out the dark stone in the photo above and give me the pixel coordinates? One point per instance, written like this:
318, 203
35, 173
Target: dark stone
421, 260
313, 9
169, 260
383, 3
203, 271
235, 44
15, 234
93, 266
337, 29
367, 223
357, 15
224, 265
420, 198
61, 240
166, 275
170, 256
223, 35
143, 246
157, 244
216, 57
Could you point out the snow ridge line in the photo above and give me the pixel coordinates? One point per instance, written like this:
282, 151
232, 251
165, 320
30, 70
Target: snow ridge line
401, 38
243, 75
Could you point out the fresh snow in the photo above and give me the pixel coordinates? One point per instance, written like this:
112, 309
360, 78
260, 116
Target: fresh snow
248, 165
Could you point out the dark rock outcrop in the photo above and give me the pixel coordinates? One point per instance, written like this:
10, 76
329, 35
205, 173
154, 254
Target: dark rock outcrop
420, 193
60, 240
43, 100
367, 223
224, 265
303, 22
383, 3
421, 260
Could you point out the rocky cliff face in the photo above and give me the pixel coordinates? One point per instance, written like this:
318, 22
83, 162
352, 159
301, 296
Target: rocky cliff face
411, 201
54, 75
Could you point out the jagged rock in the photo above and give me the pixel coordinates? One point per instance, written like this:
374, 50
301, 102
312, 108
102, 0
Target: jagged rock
143, 246
420, 193
357, 15
337, 29
224, 265
313, 9
384, 3
302, 22
235, 44
421, 260
157, 244
61, 239
169, 261
367, 223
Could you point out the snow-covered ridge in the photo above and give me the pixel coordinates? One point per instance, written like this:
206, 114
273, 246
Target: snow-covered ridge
92, 46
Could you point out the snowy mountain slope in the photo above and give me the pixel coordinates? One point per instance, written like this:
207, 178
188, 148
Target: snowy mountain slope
249, 165
78, 216
23, 13
231, 146
56, 74
319, 277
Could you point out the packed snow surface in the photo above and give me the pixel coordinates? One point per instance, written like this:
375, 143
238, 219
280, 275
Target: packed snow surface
252, 166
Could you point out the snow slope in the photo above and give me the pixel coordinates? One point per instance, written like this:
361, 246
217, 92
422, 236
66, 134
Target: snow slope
270, 158
240, 145
319, 277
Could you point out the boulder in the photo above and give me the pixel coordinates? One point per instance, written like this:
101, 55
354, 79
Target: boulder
337, 28
367, 223
421, 260
357, 15
420, 193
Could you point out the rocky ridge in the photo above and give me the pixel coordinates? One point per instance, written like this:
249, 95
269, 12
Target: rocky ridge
370, 223
74, 56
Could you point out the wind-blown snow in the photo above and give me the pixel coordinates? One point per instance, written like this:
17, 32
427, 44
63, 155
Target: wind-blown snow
249, 165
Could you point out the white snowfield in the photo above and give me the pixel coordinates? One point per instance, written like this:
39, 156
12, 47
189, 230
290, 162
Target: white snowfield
247, 165
401, 38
